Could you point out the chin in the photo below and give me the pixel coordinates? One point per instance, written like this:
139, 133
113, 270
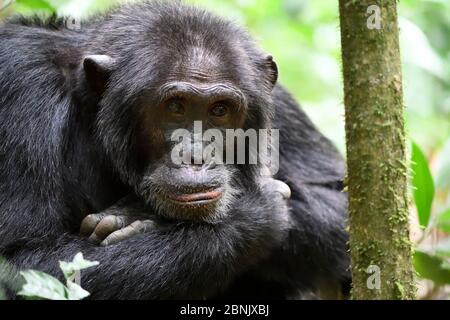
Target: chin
200, 200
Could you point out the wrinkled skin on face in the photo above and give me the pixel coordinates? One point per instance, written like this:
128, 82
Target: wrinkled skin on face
198, 87
86, 119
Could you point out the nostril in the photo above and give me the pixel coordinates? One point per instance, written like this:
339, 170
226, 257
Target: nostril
197, 160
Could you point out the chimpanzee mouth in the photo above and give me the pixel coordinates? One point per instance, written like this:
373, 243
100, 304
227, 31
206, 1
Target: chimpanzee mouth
202, 197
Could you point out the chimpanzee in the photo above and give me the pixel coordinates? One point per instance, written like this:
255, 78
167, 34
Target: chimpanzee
85, 122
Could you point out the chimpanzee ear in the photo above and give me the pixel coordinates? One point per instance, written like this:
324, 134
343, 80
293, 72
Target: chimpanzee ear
270, 69
273, 70
97, 69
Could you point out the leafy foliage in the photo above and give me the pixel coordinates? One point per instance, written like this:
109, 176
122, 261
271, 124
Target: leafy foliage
431, 264
39, 285
423, 183
431, 267
70, 269
304, 38
35, 6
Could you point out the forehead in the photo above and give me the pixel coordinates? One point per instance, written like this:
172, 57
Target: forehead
199, 64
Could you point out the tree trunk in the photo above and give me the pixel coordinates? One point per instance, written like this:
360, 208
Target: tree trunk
376, 157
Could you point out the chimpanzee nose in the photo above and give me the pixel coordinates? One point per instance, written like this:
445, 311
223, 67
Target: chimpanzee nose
195, 177
199, 163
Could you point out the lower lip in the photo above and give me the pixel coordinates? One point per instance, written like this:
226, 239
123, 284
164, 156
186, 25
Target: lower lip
199, 198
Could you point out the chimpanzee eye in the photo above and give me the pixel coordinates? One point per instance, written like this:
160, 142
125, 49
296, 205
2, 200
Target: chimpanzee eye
176, 108
219, 110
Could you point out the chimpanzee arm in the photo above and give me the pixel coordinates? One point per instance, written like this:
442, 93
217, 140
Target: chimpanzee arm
315, 252
130, 217
126, 218
183, 260
314, 257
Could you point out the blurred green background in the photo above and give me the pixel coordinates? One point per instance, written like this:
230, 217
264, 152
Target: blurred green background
303, 36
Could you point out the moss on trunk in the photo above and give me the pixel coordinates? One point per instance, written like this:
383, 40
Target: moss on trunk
376, 157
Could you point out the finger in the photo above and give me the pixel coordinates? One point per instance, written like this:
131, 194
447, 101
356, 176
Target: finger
282, 188
274, 185
90, 222
94, 239
133, 229
108, 225
122, 234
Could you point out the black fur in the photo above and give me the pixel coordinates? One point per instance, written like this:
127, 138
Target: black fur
66, 152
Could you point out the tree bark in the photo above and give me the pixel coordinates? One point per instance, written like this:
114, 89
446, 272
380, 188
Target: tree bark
376, 157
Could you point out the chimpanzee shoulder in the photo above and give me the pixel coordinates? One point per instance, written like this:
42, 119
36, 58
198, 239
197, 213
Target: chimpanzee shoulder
68, 150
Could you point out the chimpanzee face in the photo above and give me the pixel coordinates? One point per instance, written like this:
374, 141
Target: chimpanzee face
198, 87
194, 94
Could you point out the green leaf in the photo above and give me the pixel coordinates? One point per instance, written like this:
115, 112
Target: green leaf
78, 263
39, 285
431, 267
423, 183
75, 292
443, 221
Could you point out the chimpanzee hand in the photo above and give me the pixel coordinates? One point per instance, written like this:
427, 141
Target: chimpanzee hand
124, 220
271, 185
127, 219
278, 193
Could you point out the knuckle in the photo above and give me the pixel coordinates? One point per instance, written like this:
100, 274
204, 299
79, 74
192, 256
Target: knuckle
107, 222
136, 224
89, 218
